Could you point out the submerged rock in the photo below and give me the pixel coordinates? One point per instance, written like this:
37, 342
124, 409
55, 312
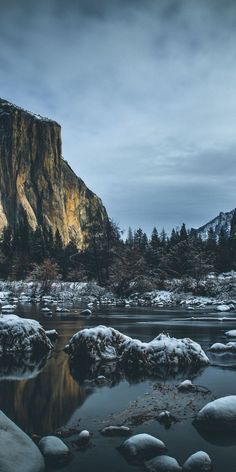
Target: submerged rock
116, 431
219, 414
54, 450
198, 462
22, 335
163, 464
142, 445
17, 452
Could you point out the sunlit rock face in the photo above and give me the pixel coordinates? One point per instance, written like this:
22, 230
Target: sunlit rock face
37, 182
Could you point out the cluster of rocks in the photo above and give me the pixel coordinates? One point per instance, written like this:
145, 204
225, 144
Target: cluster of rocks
175, 293
152, 451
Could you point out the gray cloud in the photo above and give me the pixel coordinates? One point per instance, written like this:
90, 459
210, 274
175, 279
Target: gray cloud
145, 94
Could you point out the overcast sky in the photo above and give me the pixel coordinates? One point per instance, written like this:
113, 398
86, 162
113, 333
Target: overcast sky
145, 92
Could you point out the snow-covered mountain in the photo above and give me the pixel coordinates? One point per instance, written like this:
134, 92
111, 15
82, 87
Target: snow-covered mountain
223, 220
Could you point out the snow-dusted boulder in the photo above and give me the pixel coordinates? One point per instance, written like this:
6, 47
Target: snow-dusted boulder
186, 386
17, 452
95, 344
52, 334
102, 344
231, 333
22, 335
116, 431
220, 348
163, 350
223, 308
219, 414
54, 450
163, 464
142, 445
198, 462
84, 436
86, 312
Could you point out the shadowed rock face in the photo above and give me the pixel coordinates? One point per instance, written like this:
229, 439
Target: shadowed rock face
37, 182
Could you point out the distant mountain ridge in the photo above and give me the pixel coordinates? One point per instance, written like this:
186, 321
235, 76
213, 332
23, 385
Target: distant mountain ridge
223, 220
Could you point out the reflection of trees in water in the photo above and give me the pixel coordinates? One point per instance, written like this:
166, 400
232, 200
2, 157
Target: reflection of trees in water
45, 402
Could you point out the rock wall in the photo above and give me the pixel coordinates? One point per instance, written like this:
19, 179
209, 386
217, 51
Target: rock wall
36, 182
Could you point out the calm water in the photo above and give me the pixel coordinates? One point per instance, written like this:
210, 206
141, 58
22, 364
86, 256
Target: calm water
42, 399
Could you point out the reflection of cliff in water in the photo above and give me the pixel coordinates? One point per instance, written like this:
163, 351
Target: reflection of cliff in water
45, 402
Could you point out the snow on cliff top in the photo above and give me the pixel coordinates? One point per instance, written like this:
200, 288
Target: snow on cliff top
6, 106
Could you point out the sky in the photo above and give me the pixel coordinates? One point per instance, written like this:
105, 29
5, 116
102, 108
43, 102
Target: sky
145, 92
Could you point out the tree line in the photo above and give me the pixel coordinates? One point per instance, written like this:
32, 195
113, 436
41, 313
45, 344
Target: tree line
114, 261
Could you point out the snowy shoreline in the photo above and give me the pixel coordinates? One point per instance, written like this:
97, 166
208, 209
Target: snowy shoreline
219, 292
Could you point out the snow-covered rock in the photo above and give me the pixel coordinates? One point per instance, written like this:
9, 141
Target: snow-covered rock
86, 312
84, 436
54, 450
116, 431
223, 308
220, 413
102, 343
22, 335
231, 333
17, 452
223, 348
198, 462
163, 464
143, 445
94, 344
186, 386
52, 334
8, 308
163, 350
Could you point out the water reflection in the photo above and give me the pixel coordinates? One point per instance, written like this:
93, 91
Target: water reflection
39, 398
224, 437
114, 373
18, 366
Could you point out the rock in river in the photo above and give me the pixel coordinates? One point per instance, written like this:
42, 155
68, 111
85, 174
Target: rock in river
54, 450
219, 414
163, 464
22, 335
198, 462
142, 445
17, 452
102, 343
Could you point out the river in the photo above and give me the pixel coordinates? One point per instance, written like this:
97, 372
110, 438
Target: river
48, 398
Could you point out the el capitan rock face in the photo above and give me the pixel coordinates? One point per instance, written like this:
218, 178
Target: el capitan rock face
36, 182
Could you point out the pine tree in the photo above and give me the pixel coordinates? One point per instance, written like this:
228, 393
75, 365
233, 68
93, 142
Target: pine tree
155, 240
183, 235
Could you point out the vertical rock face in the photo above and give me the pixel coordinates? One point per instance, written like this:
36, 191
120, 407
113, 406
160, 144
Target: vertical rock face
35, 181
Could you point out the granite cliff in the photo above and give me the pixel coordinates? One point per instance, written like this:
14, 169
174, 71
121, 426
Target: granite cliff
37, 184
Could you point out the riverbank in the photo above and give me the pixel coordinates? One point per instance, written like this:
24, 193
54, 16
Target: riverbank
217, 291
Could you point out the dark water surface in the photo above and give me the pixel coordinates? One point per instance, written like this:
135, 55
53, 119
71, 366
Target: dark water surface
41, 402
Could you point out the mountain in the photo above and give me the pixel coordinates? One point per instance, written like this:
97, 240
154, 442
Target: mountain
36, 184
223, 220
